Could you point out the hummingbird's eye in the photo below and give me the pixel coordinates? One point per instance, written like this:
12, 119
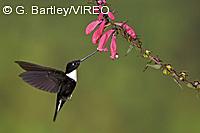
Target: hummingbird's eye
73, 64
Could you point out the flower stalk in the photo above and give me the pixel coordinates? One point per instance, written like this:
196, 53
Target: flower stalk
111, 29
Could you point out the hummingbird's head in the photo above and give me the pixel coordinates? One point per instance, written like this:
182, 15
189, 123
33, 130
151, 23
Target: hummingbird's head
73, 65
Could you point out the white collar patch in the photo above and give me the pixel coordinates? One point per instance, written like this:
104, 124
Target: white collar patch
73, 75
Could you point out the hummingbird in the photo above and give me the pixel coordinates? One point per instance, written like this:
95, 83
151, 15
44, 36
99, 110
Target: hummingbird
53, 80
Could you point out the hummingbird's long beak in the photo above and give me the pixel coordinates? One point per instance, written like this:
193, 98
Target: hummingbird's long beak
88, 56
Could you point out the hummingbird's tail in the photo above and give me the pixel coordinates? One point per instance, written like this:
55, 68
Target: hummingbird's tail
59, 104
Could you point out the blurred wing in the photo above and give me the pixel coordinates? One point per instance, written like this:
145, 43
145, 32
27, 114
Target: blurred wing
32, 67
43, 78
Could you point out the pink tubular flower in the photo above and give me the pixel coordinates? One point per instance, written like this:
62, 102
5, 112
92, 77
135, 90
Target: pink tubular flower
104, 39
111, 16
100, 17
92, 26
113, 48
100, 2
128, 29
97, 34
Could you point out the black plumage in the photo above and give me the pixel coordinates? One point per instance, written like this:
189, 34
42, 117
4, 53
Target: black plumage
52, 80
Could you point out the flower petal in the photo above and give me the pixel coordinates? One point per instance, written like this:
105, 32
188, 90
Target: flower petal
128, 29
102, 43
104, 1
97, 34
92, 26
103, 40
113, 48
95, 37
111, 16
101, 2
100, 17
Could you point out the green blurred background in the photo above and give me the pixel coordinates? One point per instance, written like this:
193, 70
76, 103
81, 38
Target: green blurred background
111, 96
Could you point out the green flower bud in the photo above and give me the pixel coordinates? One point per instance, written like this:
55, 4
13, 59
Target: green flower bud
146, 53
167, 69
182, 76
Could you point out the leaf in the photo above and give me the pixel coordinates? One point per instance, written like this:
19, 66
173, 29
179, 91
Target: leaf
157, 66
176, 81
146, 67
190, 85
129, 49
198, 86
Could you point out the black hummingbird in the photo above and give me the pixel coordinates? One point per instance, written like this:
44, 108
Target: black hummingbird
52, 80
